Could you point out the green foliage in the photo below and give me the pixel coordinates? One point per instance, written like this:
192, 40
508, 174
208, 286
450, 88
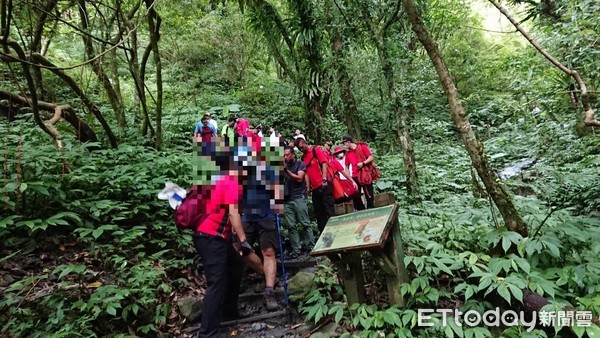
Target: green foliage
458, 254
129, 248
116, 254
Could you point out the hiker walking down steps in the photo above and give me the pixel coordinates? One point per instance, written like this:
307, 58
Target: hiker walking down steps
218, 206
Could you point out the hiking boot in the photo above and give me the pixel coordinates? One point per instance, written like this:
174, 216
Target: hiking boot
270, 301
260, 288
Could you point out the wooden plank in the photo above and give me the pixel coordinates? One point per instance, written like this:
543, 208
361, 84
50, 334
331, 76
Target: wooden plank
341, 209
384, 199
384, 262
297, 264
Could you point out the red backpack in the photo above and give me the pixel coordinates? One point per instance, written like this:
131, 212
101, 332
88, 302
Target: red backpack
369, 173
192, 211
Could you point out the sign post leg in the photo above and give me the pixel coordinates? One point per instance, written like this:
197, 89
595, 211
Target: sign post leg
394, 251
349, 265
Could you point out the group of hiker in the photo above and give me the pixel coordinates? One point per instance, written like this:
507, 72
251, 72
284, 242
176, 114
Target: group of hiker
251, 189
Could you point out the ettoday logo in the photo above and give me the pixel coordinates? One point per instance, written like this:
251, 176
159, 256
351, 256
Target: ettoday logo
500, 318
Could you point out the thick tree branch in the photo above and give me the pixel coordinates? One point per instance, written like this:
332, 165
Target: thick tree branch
36, 43
75, 88
146, 124
154, 22
57, 17
266, 14
371, 25
589, 115
113, 96
6, 17
83, 131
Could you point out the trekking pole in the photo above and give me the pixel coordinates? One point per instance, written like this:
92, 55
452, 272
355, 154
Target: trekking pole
282, 261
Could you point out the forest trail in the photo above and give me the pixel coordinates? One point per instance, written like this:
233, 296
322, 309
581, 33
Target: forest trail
255, 321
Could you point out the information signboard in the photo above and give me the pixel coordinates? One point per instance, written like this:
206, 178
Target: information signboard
356, 231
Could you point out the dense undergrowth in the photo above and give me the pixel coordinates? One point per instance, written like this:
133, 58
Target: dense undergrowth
87, 249
452, 240
98, 251
93, 252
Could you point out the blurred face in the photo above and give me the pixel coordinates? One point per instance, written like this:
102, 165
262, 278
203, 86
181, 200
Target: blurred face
350, 145
204, 122
288, 156
340, 155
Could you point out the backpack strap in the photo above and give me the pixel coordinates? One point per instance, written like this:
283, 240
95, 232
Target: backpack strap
359, 152
314, 153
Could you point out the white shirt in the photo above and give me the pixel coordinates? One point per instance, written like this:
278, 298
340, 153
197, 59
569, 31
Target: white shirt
343, 163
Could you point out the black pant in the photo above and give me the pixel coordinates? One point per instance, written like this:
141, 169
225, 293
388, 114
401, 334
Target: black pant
323, 205
213, 251
357, 200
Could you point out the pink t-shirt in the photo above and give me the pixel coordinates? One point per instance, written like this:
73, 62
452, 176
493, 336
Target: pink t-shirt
242, 127
224, 192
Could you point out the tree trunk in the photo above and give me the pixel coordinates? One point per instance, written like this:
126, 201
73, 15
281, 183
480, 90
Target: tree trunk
22, 59
97, 68
315, 94
496, 191
402, 121
408, 152
36, 43
350, 112
134, 69
114, 78
146, 124
154, 22
379, 38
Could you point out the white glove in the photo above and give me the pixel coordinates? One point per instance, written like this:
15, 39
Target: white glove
173, 193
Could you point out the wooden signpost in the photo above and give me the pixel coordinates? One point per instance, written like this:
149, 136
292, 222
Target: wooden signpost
377, 230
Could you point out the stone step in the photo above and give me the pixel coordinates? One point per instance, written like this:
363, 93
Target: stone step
256, 318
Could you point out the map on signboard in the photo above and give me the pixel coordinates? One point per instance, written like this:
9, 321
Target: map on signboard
357, 230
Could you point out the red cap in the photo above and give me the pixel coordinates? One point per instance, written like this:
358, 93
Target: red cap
338, 149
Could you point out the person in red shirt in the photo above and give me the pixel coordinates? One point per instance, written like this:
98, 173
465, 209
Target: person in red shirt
338, 164
355, 164
213, 236
319, 183
242, 126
